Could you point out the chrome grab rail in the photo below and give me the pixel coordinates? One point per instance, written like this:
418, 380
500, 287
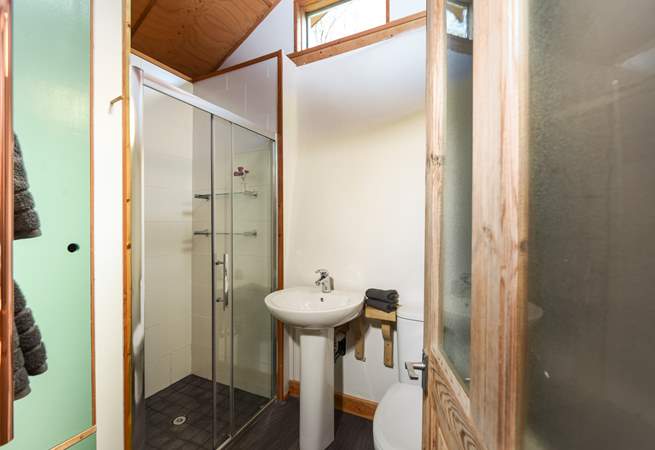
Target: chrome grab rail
251, 233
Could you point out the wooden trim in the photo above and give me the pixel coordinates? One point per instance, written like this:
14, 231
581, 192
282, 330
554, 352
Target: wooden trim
298, 30
435, 128
309, 6
246, 35
142, 17
490, 415
127, 268
458, 432
500, 213
388, 11
92, 212
238, 66
68, 443
349, 404
161, 65
6, 225
359, 40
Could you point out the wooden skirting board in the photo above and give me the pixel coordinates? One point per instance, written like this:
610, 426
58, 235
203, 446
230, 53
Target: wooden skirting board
75, 439
343, 402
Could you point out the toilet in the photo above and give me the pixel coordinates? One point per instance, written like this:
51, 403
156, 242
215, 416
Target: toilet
397, 420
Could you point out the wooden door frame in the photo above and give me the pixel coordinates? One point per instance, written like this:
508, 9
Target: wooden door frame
127, 279
488, 416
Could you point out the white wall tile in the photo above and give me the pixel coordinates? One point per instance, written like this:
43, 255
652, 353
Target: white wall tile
168, 141
158, 374
180, 363
167, 204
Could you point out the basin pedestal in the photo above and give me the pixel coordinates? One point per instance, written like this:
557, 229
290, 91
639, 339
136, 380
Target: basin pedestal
316, 388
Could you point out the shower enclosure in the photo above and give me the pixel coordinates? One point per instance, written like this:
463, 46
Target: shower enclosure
203, 246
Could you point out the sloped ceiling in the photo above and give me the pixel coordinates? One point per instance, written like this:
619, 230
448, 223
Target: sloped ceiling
194, 36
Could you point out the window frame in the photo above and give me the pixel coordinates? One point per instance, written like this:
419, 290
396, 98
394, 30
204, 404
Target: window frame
389, 29
303, 7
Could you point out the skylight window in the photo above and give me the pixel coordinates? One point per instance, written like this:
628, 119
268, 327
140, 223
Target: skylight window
458, 19
343, 18
344, 25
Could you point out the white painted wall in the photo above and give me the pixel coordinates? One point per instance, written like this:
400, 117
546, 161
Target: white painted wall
403, 8
290, 133
359, 189
353, 174
108, 222
359, 213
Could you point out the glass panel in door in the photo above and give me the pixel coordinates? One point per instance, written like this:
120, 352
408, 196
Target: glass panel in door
252, 266
221, 206
176, 259
457, 208
590, 370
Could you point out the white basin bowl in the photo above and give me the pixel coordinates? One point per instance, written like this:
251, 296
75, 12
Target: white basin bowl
305, 307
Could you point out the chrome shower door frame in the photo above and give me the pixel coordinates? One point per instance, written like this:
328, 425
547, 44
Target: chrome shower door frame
135, 243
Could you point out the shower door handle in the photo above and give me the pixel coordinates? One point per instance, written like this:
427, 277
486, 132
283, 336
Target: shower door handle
226, 280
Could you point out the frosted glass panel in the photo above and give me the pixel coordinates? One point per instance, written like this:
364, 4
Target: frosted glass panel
591, 371
456, 234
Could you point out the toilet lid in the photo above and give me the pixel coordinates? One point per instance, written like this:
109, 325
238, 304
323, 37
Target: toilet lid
397, 421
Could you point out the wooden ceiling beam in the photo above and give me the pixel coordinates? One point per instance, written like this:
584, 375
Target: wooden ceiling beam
142, 17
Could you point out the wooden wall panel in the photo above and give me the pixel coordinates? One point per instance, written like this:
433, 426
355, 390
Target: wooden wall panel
499, 221
193, 36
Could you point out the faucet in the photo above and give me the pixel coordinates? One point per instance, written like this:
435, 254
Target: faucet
325, 281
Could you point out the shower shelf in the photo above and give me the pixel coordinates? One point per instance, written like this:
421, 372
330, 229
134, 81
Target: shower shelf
252, 194
252, 233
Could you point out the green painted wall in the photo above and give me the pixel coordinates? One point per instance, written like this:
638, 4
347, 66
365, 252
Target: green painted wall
52, 121
87, 444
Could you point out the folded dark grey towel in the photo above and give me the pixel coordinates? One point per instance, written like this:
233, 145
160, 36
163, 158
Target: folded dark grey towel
390, 296
29, 351
381, 305
26, 219
29, 335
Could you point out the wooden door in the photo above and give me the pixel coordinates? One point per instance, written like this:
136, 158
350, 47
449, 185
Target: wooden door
473, 389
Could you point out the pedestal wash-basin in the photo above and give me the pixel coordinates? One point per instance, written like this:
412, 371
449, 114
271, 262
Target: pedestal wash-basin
306, 307
316, 313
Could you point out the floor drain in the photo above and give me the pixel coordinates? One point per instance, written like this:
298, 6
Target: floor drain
181, 420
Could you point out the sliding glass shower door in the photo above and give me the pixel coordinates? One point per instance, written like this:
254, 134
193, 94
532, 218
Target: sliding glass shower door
202, 338
253, 256
243, 274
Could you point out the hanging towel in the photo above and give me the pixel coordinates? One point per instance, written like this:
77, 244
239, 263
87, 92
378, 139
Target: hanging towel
29, 335
21, 379
389, 296
26, 219
29, 353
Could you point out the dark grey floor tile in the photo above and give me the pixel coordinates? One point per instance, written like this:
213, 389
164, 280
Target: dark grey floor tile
192, 397
277, 428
